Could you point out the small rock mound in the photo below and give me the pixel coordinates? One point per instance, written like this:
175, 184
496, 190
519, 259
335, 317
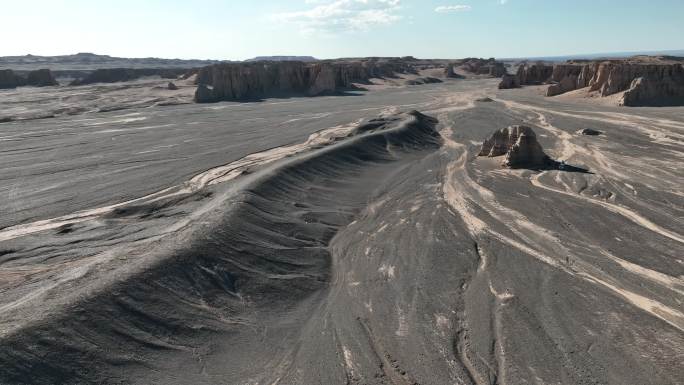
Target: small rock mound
421, 81
519, 145
484, 99
172, 86
589, 131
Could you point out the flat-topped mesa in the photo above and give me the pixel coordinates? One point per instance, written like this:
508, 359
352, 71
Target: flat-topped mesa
243, 81
519, 145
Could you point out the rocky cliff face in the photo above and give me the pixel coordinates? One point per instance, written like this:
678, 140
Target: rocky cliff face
115, 75
644, 83
653, 91
518, 144
41, 78
8, 79
37, 78
241, 81
528, 75
489, 67
534, 74
509, 81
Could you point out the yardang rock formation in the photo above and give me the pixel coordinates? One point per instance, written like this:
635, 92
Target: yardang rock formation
519, 145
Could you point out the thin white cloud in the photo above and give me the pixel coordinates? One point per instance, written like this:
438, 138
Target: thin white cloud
453, 8
503, 2
342, 15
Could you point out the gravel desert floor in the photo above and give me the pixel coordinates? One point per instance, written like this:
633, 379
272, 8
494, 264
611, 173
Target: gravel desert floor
354, 239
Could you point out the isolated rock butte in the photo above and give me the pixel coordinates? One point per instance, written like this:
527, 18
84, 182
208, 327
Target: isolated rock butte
519, 145
171, 86
241, 81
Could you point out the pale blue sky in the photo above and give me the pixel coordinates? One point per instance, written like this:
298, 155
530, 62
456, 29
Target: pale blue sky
237, 29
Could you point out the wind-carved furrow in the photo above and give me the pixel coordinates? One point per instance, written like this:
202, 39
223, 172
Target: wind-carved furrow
245, 280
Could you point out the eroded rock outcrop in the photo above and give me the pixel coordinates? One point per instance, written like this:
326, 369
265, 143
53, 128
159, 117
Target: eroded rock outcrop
645, 83
41, 78
9, 79
115, 75
489, 67
37, 78
242, 81
519, 145
527, 74
509, 81
533, 74
450, 73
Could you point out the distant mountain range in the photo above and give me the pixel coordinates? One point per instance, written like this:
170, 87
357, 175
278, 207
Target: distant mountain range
90, 61
603, 55
86, 61
283, 58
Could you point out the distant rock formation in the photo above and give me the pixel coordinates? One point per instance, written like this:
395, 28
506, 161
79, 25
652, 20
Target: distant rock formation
115, 75
37, 78
533, 74
489, 67
450, 73
519, 145
283, 58
509, 81
171, 86
8, 79
85, 61
644, 83
243, 81
41, 78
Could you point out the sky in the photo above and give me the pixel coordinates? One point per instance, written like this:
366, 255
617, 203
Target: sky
241, 29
